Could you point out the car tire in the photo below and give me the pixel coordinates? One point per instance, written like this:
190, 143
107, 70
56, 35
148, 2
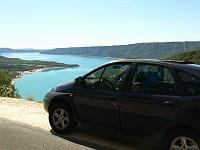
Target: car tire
182, 139
61, 119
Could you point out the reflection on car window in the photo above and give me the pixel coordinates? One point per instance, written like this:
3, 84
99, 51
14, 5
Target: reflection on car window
190, 82
110, 77
93, 79
153, 79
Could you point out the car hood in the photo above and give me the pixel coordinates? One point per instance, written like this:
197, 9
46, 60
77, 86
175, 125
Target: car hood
64, 88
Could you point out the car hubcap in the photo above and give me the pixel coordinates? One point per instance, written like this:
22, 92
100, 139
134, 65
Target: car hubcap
60, 119
183, 143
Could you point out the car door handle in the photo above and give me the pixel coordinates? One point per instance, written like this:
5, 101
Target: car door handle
169, 103
112, 98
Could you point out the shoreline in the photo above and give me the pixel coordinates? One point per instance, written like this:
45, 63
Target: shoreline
27, 72
22, 73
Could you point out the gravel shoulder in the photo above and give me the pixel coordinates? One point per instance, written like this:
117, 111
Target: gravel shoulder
28, 112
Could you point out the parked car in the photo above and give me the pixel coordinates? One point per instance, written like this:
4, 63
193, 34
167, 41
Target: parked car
150, 99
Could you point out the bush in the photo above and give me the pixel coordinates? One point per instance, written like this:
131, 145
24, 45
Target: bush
6, 87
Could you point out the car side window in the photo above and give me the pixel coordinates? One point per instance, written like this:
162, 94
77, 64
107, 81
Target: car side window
92, 80
153, 79
190, 82
109, 77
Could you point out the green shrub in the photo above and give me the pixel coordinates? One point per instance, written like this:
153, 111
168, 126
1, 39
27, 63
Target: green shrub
6, 87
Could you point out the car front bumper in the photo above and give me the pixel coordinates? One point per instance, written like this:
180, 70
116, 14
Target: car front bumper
46, 103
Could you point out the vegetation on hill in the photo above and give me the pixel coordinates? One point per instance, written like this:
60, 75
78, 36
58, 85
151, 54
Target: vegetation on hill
12, 66
155, 50
192, 56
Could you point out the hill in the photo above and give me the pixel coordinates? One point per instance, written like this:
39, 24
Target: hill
193, 56
9, 50
155, 50
14, 66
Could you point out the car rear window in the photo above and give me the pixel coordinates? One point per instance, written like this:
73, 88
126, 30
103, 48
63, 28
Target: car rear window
191, 83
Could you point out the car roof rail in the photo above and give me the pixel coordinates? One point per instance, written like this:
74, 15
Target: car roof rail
179, 62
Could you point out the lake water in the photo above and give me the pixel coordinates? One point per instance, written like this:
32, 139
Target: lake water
37, 85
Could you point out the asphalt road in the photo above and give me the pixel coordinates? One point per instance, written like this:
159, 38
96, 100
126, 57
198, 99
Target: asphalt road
96, 138
19, 136
24, 126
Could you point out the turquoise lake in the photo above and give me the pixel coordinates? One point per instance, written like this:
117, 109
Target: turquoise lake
37, 85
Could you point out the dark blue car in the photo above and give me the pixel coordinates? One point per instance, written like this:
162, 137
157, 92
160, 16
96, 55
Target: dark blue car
150, 99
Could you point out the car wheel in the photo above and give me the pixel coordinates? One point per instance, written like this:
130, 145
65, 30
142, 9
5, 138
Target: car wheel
61, 119
182, 140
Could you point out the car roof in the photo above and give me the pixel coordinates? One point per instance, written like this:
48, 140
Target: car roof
153, 61
183, 65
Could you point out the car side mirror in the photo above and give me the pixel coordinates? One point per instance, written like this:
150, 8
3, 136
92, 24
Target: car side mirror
79, 81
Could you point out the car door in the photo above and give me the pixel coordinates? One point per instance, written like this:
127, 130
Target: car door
97, 100
150, 101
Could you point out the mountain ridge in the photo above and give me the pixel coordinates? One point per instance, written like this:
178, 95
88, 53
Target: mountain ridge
10, 50
154, 50
151, 50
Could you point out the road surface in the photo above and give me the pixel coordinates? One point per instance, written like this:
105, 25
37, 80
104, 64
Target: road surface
19, 136
24, 126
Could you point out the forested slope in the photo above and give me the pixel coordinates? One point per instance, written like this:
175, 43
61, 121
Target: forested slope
193, 56
155, 50
14, 65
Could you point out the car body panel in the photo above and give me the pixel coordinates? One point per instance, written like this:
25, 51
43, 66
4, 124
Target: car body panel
145, 114
98, 106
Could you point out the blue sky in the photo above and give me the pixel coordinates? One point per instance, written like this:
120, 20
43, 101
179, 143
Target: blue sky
47, 24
